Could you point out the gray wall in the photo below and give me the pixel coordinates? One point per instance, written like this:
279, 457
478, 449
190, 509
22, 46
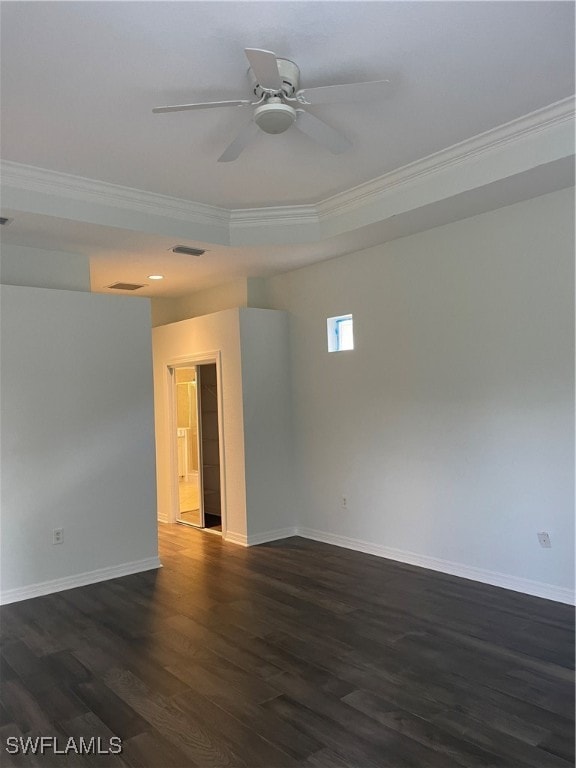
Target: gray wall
450, 427
268, 445
39, 268
77, 437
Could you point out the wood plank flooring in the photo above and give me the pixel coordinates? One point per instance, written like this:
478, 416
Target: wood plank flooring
290, 654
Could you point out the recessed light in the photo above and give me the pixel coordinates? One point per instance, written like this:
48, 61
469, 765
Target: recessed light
155, 277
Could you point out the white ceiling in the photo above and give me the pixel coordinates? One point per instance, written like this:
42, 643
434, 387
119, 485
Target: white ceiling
79, 80
129, 256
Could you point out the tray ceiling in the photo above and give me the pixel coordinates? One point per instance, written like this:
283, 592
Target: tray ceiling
79, 81
88, 169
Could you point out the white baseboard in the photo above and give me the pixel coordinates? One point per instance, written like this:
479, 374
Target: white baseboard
280, 533
506, 581
79, 580
236, 538
496, 579
260, 538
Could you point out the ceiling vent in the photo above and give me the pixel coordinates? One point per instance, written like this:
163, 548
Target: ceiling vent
188, 251
4, 221
125, 286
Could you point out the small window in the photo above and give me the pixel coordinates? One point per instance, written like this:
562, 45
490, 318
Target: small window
340, 333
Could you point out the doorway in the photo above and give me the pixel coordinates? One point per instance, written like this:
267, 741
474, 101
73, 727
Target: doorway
189, 511
197, 465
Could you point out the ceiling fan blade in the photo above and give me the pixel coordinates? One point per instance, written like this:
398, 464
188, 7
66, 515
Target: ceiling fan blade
241, 140
332, 94
321, 132
203, 105
265, 68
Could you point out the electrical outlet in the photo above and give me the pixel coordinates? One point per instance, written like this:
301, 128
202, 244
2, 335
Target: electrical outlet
544, 539
58, 536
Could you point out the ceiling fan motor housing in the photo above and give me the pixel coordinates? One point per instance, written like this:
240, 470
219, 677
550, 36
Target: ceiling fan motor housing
289, 77
274, 116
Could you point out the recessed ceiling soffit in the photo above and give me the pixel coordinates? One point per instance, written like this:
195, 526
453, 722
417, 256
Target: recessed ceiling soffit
540, 138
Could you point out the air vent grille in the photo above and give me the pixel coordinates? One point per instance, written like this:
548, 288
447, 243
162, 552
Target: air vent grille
188, 251
125, 286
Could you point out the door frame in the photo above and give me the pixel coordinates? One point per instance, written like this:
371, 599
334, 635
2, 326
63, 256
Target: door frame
186, 361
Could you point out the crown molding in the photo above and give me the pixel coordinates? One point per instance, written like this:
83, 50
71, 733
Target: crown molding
534, 139
294, 215
495, 139
282, 224
32, 179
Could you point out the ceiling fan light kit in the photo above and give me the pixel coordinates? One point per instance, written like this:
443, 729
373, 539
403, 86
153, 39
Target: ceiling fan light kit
275, 84
274, 116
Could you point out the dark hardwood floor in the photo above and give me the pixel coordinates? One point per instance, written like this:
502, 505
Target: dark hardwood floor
290, 654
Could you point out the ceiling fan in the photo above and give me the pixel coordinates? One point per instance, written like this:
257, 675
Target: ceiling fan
279, 103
